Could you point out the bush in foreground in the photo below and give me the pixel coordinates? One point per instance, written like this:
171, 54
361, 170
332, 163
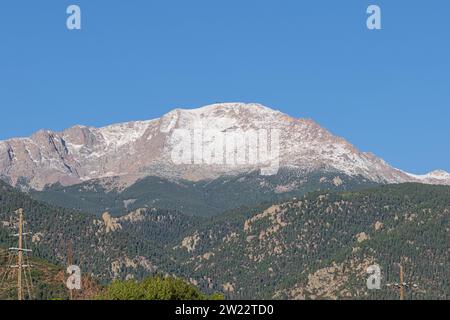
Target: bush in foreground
155, 288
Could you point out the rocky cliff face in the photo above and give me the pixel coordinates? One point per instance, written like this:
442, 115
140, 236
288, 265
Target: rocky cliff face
137, 149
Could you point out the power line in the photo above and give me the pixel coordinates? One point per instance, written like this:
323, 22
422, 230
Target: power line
28, 276
402, 286
23, 265
6, 272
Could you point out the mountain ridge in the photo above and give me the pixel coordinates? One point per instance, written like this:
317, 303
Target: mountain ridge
136, 149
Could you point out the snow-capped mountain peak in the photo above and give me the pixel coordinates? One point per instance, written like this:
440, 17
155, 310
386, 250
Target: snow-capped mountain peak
141, 148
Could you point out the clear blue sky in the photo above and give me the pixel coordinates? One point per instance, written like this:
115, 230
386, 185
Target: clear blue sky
386, 91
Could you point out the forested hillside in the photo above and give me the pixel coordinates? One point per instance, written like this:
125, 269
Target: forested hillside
320, 245
100, 246
202, 198
316, 246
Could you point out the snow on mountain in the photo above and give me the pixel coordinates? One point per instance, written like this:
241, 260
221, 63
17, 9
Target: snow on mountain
435, 177
137, 149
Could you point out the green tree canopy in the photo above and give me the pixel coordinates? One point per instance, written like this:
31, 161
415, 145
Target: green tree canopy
155, 288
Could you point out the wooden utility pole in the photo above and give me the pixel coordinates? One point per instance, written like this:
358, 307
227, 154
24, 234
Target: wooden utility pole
402, 283
20, 257
403, 286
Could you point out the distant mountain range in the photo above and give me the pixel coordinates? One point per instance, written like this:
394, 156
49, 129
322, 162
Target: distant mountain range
134, 150
126, 209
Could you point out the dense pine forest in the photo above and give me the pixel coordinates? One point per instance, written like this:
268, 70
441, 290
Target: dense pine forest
314, 246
